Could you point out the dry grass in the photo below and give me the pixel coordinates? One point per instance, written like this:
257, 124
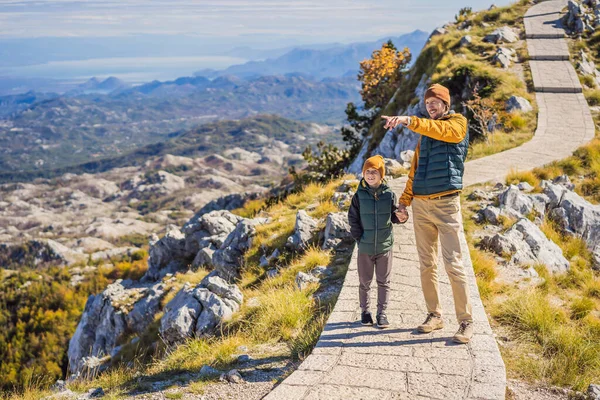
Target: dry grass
500, 141
282, 315
515, 177
312, 258
484, 266
397, 172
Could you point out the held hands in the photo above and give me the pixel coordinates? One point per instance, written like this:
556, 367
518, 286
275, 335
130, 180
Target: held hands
401, 213
392, 122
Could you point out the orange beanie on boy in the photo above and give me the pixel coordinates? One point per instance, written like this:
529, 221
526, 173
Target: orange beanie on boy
375, 162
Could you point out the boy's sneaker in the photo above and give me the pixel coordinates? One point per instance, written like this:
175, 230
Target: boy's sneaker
382, 321
366, 318
464, 333
432, 323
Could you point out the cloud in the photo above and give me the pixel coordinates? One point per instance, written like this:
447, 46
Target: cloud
334, 20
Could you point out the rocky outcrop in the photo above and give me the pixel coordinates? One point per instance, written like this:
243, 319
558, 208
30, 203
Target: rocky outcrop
303, 280
227, 259
526, 244
267, 261
158, 183
196, 312
204, 230
465, 41
575, 216
504, 34
167, 255
504, 57
593, 392
337, 230
588, 67
122, 307
578, 20
304, 232
92, 244
98, 188
513, 203
518, 104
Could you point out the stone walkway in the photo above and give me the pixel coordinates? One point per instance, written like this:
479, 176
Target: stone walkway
355, 362
564, 119
351, 361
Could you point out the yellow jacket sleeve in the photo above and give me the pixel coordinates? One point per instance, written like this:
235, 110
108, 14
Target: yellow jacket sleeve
450, 129
407, 196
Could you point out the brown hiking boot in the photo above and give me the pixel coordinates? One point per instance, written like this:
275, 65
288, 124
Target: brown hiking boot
432, 323
464, 333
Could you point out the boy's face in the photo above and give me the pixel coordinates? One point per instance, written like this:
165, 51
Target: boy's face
373, 177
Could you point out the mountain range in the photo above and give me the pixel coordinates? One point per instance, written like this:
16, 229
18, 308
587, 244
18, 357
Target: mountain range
63, 131
337, 60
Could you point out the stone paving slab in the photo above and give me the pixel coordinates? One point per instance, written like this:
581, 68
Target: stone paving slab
548, 49
351, 361
542, 20
554, 76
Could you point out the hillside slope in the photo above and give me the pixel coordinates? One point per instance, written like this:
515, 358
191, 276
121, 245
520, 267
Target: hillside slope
465, 55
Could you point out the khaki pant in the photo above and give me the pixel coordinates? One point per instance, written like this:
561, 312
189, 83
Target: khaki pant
382, 265
441, 218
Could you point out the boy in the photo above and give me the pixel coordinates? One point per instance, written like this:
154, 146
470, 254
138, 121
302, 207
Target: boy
371, 213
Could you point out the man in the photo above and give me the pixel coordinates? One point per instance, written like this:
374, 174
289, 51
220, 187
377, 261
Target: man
433, 187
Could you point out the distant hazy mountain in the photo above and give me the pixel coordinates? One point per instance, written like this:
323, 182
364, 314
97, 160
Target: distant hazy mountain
335, 61
94, 85
14, 103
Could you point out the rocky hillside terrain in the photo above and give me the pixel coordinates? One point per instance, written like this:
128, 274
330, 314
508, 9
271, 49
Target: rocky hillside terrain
535, 251
231, 282
253, 134
481, 58
64, 131
136, 201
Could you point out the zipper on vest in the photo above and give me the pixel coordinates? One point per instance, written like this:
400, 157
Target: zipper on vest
375, 245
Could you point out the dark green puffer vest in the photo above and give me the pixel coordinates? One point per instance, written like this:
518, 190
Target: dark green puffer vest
375, 216
441, 166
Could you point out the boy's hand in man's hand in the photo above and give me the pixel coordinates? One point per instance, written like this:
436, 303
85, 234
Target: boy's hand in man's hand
401, 213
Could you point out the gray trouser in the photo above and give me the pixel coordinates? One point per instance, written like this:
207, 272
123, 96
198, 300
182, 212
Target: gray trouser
382, 265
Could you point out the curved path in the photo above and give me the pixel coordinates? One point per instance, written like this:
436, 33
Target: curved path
355, 362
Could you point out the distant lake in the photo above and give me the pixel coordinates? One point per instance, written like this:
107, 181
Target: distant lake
132, 70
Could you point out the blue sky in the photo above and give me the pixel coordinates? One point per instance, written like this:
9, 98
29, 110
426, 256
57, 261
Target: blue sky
302, 21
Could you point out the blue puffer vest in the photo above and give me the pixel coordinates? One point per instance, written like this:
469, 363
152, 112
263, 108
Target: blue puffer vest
440, 166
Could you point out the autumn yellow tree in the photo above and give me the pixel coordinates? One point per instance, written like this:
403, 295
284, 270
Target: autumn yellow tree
381, 74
